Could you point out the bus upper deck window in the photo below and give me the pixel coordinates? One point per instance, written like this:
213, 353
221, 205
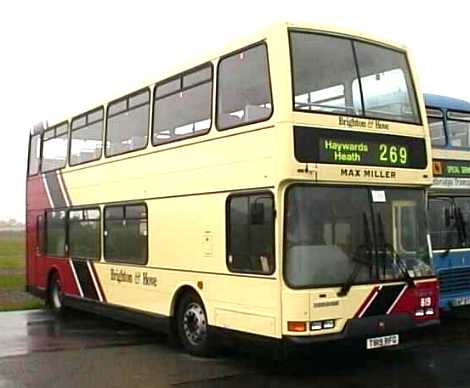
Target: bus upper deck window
54, 147
183, 106
127, 123
436, 127
34, 154
458, 127
87, 137
243, 91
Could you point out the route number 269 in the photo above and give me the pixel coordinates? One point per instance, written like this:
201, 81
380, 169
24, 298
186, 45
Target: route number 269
393, 154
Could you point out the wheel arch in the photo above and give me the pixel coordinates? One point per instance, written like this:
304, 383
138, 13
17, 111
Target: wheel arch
53, 270
181, 290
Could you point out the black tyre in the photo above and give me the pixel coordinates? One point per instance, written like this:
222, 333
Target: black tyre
192, 327
55, 297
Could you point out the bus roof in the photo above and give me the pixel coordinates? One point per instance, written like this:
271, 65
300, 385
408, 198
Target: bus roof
444, 102
233, 45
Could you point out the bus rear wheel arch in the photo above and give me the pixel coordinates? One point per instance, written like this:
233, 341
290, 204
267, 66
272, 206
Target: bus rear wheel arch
191, 327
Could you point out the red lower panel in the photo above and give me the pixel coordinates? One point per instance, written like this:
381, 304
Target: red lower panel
63, 267
409, 302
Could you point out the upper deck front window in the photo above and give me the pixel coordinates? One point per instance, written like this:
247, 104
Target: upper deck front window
344, 76
458, 129
436, 127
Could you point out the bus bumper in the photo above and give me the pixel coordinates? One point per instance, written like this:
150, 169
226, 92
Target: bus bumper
369, 327
450, 301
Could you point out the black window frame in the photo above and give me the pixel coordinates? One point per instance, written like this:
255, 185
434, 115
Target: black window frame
46, 232
54, 129
100, 232
180, 77
87, 122
126, 98
353, 40
221, 59
265, 193
104, 230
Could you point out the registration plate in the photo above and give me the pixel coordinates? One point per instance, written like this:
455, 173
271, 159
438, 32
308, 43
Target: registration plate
462, 301
383, 342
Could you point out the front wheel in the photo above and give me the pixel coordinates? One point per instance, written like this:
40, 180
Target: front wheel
192, 326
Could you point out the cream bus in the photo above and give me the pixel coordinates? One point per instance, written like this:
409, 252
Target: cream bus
275, 188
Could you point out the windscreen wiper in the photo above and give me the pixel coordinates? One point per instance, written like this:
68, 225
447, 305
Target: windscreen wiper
463, 226
357, 258
458, 227
400, 262
460, 232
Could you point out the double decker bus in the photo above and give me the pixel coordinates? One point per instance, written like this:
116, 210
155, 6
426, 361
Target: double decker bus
449, 198
275, 188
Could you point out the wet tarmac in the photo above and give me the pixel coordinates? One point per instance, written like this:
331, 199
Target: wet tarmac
38, 349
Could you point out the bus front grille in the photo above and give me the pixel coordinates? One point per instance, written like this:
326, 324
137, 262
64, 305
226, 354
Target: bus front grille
454, 279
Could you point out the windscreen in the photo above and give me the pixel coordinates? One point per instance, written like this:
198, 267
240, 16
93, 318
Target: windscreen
458, 129
344, 76
332, 232
449, 220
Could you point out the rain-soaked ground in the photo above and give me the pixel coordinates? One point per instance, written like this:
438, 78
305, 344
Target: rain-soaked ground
38, 349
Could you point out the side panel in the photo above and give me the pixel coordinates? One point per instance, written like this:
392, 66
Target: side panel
230, 301
187, 248
36, 201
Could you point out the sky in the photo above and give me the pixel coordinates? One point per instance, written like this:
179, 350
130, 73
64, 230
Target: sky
60, 58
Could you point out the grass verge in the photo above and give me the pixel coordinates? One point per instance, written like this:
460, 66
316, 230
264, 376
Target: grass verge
30, 305
12, 282
12, 274
12, 250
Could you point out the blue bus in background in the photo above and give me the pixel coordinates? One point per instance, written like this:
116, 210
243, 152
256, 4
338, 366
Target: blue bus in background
449, 198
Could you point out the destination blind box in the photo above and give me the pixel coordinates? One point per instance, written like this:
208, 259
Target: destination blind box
329, 146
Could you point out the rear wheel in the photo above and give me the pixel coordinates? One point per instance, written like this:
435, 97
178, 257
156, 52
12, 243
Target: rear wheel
192, 326
55, 295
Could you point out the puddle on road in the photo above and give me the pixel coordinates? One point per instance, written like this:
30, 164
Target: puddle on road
40, 331
439, 358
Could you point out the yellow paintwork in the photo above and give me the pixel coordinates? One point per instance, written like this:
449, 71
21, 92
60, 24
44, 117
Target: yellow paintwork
187, 227
441, 153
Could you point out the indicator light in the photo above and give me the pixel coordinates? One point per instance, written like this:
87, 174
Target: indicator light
296, 326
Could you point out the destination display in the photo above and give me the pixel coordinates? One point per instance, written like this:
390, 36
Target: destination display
451, 168
315, 145
332, 150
